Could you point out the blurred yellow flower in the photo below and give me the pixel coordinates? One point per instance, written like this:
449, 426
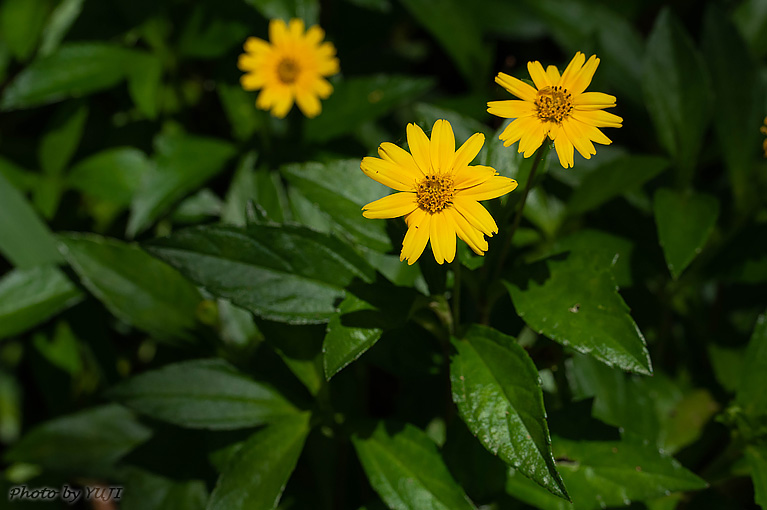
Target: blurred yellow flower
290, 67
557, 107
763, 129
439, 192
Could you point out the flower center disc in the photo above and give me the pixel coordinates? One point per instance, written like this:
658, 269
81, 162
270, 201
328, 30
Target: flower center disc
554, 104
287, 71
435, 192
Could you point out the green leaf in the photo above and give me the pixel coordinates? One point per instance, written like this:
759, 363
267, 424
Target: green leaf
29, 297
288, 274
59, 23
357, 100
113, 175
240, 109
740, 98
611, 250
182, 163
454, 25
144, 81
308, 10
685, 221
145, 490
74, 70
572, 299
757, 459
496, 388
751, 395
134, 286
340, 189
62, 137
751, 18
613, 179
206, 394
20, 24
257, 474
81, 443
406, 470
345, 342
607, 474
24, 239
677, 92
19, 177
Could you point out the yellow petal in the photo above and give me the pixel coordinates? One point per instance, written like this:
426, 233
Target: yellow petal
442, 228
476, 215
539, 76
388, 173
469, 176
516, 129
436, 239
296, 28
278, 31
468, 234
511, 109
564, 150
255, 45
309, 104
597, 118
517, 87
252, 81
442, 146
401, 158
314, 35
283, 102
419, 147
581, 143
553, 73
532, 138
413, 246
392, 206
591, 132
572, 69
322, 88
328, 66
580, 81
492, 188
468, 151
593, 101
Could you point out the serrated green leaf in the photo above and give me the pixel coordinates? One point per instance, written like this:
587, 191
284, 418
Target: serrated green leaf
24, 239
340, 189
206, 394
59, 23
357, 100
751, 395
612, 251
406, 470
257, 474
344, 343
454, 25
134, 286
607, 474
145, 490
757, 459
29, 297
613, 179
572, 299
497, 390
182, 163
74, 70
740, 98
677, 92
288, 274
308, 10
86, 442
685, 221
20, 24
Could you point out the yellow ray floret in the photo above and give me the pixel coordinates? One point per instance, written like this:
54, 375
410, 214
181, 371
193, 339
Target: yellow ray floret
289, 68
556, 107
439, 192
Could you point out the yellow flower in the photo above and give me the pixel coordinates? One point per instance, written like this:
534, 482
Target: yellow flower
439, 192
557, 107
763, 129
289, 69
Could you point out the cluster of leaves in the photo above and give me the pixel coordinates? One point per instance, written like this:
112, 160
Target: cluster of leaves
192, 305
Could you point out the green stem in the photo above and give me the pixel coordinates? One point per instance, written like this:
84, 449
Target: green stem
456, 293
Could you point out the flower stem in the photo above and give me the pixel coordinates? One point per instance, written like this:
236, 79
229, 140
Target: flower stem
456, 292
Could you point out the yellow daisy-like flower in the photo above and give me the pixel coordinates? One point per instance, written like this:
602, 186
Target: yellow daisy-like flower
763, 129
289, 69
558, 107
439, 192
